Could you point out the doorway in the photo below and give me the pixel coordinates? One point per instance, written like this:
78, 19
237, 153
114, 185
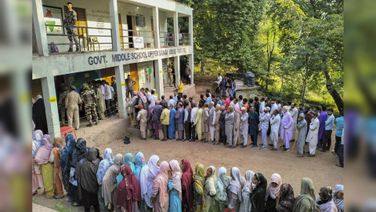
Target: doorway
130, 30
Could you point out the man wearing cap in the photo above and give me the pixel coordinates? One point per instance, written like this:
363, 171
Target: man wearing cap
72, 101
244, 127
89, 98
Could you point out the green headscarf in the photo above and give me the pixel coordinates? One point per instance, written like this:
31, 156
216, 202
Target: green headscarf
199, 178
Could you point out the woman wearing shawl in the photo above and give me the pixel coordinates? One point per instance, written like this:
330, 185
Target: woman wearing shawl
102, 169
235, 190
37, 180
58, 180
42, 158
148, 174
109, 181
139, 162
210, 189
87, 180
286, 198
171, 126
79, 153
272, 192
223, 182
259, 184
128, 159
128, 191
325, 202
174, 187
66, 161
159, 192
186, 185
306, 200
338, 197
245, 205
198, 187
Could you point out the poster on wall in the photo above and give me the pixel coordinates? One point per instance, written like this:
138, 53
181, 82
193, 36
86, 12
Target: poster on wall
138, 42
53, 19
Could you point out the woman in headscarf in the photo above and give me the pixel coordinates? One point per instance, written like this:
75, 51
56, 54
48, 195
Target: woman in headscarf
186, 186
58, 181
87, 180
325, 202
42, 158
306, 201
286, 198
79, 153
174, 187
102, 169
128, 159
302, 132
259, 184
160, 193
128, 191
272, 192
210, 189
198, 187
235, 190
66, 161
171, 126
139, 162
109, 181
37, 180
245, 205
148, 173
338, 197
223, 182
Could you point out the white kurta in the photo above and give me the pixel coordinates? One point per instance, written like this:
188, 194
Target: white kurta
313, 134
236, 128
244, 128
275, 122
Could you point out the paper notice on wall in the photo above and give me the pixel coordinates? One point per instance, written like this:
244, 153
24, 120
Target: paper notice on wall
138, 42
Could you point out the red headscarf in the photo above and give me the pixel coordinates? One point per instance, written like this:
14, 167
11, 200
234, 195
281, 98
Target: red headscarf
128, 190
186, 184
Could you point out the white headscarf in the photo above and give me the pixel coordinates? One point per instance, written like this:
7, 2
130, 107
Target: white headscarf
235, 184
107, 155
273, 192
248, 181
148, 174
176, 176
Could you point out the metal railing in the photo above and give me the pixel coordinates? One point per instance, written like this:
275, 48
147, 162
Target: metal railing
128, 38
167, 39
89, 38
184, 39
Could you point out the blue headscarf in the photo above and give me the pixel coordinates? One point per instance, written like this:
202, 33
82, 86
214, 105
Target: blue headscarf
128, 159
67, 151
107, 161
139, 162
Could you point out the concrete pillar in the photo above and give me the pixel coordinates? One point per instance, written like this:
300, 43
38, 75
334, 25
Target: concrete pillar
120, 90
176, 28
158, 68
50, 103
114, 14
191, 30
177, 70
157, 43
191, 66
39, 28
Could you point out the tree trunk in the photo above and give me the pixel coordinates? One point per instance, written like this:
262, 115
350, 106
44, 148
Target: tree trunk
334, 93
269, 58
203, 63
304, 87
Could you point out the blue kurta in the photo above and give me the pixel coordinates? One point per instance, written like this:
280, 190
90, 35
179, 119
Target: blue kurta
171, 126
175, 201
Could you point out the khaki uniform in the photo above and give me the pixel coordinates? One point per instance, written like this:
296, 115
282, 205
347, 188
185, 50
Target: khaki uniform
101, 106
72, 101
142, 116
89, 98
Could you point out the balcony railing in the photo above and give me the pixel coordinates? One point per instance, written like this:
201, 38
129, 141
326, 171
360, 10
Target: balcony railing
136, 39
167, 39
184, 39
89, 38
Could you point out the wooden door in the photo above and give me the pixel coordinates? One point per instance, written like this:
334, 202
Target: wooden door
134, 75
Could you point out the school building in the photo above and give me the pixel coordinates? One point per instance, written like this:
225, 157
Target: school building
139, 38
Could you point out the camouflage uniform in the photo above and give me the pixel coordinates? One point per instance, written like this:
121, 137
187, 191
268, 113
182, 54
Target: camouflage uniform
89, 98
69, 24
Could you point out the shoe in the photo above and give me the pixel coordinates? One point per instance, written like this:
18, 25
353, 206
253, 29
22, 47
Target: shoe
274, 149
89, 125
78, 49
299, 156
70, 50
253, 146
75, 204
243, 146
286, 150
271, 145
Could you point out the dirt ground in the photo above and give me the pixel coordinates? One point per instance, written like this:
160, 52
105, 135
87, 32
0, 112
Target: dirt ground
109, 133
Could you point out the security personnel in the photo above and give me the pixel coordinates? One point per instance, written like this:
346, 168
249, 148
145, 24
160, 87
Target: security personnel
69, 24
89, 98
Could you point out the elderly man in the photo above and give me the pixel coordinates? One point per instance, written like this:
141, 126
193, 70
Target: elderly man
212, 119
217, 123
244, 126
236, 125
229, 126
264, 125
142, 118
275, 122
286, 128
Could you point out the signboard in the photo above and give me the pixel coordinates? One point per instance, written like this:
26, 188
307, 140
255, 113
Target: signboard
138, 42
53, 18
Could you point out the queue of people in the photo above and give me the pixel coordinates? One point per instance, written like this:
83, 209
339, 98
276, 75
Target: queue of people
111, 182
237, 121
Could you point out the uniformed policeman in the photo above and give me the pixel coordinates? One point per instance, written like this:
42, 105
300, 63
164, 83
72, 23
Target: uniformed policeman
89, 98
69, 24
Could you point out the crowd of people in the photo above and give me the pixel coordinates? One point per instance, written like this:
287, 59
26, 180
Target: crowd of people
233, 120
129, 183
